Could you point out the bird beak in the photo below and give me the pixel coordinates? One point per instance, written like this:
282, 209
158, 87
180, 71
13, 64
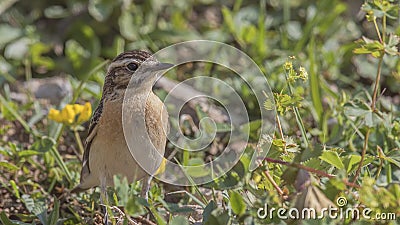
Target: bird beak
162, 66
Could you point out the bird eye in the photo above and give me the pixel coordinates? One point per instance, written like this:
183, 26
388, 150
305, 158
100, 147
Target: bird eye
132, 67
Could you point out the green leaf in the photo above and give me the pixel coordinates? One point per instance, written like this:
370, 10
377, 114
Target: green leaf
278, 142
126, 26
231, 178
313, 163
38, 207
160, 220
315, 80
332, 158
196, 168
27, 153
56, 12
391, 47
217, 217
228, 19
121, 189
15, 188
134, 207
15, 114
7, 110
269, 104
37, 51
4, 219
17, 49
393, 161
223, 127
351, 162
101, 9
9, 166
179, 220
8, 33
76, 53
251, 128
356, 108
207, 211
381, 8
55, 214
393, 157
43, 144
237, 203
338, 184
87, 37
249, 34
369, 119
368, 46
176, 208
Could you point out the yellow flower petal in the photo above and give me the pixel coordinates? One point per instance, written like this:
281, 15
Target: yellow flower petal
55, 115
78, 108
85, 112
68, 115
71, 114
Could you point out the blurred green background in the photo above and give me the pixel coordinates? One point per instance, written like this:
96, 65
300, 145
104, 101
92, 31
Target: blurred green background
71, 39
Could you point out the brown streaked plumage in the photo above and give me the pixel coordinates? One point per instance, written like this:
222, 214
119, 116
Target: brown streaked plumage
106, 152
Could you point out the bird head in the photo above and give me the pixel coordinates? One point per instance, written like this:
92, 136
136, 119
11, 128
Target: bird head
138, 67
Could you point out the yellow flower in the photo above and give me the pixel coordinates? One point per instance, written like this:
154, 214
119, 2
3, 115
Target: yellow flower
77, 108
68, 114
71, 114
303, 73
55, 115
288, 65
85, 112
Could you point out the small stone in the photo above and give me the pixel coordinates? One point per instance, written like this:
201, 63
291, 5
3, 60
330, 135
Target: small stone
53, 89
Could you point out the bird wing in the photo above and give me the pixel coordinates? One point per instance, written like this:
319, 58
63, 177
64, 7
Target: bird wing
93, 127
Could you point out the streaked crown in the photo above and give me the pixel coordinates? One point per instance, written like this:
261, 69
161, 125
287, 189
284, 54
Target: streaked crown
121, 70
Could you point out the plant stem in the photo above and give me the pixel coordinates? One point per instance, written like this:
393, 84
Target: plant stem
269, 177
18, 117
374, 95
377, 30
78, 91
384, 29
297, 114
362, 155
59, 132
379, 169
78, 141
281, 132
61, 163
309, 169
388, 169
28, 72
300, 166
377, 80
373, 107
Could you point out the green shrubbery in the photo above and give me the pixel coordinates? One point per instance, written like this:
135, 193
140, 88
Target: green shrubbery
335, 77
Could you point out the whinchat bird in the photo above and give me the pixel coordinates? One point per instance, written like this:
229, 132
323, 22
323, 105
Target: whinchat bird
106, 151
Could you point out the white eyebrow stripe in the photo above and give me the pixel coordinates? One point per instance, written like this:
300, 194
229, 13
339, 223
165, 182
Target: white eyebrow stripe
121, 63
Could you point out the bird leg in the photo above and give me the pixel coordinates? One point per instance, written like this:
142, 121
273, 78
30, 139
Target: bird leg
146, 187
104, 199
